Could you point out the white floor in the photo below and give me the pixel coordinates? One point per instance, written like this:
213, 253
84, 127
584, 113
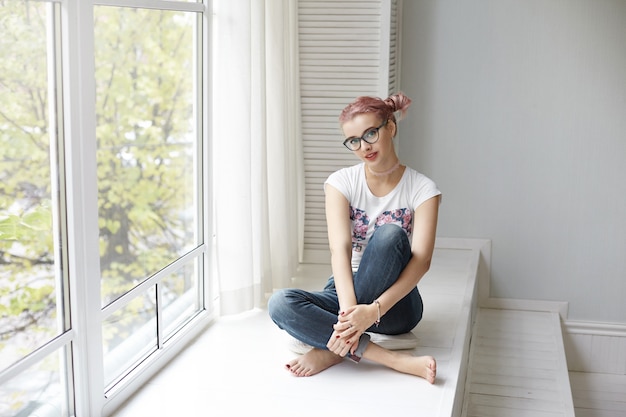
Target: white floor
237, 367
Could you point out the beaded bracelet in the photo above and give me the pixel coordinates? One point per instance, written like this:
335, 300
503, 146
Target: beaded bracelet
377, 322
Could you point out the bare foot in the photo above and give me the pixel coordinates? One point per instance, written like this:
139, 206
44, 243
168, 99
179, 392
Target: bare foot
313, 362
422, 366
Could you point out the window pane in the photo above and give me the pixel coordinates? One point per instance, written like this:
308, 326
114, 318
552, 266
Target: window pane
146, 133
28, 262
40, 391
179, 294
129, 335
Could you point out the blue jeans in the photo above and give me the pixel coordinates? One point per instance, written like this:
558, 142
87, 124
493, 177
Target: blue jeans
310, 316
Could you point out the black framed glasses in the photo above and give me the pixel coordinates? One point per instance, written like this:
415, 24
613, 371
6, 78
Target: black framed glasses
370, 136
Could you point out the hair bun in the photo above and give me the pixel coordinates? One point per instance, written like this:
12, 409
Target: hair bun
391, 103
383, 109
398, 102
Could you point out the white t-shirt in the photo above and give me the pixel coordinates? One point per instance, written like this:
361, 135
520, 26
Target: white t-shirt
368, 212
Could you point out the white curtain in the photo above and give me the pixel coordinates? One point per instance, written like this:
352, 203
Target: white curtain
255, 149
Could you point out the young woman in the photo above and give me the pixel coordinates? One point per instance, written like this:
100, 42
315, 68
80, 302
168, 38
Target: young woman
382, 220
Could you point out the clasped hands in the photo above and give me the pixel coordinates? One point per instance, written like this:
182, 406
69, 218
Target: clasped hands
351, 324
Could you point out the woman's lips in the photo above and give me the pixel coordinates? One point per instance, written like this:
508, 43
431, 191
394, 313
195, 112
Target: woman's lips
371, 156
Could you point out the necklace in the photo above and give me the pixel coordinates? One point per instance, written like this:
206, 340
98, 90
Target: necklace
385, 173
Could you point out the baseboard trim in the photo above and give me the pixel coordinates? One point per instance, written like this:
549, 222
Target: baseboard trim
595, 329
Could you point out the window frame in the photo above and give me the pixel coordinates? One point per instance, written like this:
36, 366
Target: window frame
73, 98
92, 397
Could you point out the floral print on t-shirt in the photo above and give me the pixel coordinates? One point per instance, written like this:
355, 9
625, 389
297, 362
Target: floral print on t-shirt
402, 217
360, 223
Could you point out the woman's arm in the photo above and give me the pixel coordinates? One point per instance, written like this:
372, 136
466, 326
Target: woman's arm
422, 247
355, 319
361, 317
340, 241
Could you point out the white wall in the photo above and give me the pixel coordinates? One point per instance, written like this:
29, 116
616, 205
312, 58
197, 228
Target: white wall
519, 115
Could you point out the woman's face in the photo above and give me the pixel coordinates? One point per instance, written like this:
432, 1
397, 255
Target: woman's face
380, 153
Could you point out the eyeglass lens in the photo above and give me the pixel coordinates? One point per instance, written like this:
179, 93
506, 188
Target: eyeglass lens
370, 136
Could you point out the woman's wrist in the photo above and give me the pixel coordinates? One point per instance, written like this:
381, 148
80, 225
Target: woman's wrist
376, 304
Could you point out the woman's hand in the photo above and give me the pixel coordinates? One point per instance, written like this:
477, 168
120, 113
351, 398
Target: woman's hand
351, 324
343, 341
360, 316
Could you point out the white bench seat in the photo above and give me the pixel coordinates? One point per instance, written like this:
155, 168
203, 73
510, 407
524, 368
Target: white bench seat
236, 366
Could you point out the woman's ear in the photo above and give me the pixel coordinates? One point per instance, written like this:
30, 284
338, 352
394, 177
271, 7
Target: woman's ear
394, 128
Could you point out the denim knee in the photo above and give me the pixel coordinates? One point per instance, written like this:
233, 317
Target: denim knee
389, 232
390, 237
277, 304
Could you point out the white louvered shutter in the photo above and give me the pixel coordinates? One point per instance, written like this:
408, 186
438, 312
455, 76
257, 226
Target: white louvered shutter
347, 49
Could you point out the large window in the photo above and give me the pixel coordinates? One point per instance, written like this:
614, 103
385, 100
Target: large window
33, 300
125, 87
148, 189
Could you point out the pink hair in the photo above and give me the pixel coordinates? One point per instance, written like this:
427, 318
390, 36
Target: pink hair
384, 109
